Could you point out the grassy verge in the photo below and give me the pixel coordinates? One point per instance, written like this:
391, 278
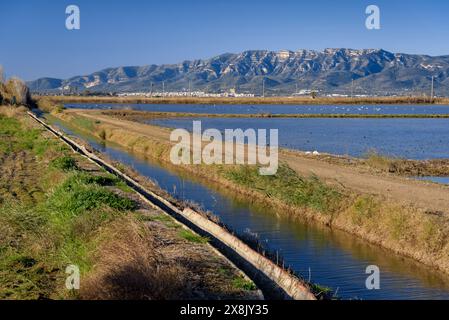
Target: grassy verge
405, 167
84, 217
190, 236
141, 116
14, 139
39, 238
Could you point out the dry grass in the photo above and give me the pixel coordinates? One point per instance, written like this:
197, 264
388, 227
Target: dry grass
10, 111
47, 105
255, 100
420, 234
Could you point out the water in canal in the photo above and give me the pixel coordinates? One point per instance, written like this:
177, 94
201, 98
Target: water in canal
328, 257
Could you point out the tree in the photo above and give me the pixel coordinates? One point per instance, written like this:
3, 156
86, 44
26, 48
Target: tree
2, 79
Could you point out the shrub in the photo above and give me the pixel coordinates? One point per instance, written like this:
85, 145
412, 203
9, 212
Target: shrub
242, 283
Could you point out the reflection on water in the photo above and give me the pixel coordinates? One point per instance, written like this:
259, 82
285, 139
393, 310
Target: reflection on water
273, 109
403, 138
329, 257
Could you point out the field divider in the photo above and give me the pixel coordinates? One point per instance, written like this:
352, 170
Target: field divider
273, 280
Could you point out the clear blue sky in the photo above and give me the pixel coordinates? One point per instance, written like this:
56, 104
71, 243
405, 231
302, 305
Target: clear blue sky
35, 42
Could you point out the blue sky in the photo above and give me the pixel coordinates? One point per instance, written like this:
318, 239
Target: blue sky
35, 42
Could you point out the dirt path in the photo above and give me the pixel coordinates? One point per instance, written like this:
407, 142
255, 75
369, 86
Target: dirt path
421, 194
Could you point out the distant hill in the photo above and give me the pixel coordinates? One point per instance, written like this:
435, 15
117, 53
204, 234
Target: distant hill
340, 71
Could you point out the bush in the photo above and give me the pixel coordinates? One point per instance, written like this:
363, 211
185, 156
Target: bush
18, 92
65, 163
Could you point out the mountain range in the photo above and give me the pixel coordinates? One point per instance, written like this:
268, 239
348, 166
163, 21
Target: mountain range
337, 71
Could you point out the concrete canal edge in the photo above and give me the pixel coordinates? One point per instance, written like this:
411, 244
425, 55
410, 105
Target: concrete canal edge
274, 281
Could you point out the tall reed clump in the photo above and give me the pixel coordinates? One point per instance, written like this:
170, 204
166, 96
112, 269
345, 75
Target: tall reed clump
14, 92
47, 105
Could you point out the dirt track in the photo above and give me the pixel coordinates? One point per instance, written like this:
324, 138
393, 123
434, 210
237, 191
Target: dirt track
422, 194
426, 195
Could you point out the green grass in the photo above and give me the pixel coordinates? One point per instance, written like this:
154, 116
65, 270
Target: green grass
107, 180
84, 123
288, 186
159, 217
79, 193
242, 283
190, 236
165, 219
321, 291
13, 139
